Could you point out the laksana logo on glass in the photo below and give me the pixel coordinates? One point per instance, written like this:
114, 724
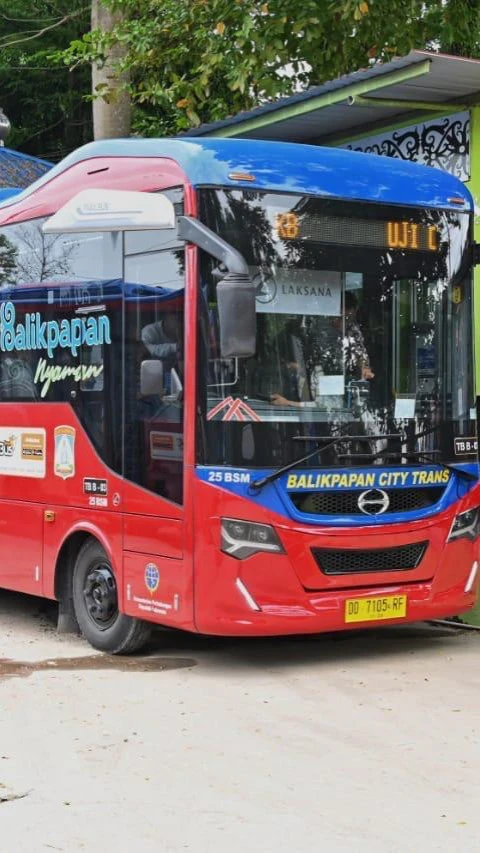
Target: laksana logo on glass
50, 336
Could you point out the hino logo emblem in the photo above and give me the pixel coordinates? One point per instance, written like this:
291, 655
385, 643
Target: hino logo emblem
373, 502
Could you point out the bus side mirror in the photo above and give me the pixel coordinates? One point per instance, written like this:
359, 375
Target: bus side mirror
237, 316
235, 292
151, 378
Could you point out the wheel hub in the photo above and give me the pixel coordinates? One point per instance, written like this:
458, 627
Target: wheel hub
100, 594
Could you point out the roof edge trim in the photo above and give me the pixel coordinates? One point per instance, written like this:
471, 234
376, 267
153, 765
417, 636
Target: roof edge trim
421, 106
400, 75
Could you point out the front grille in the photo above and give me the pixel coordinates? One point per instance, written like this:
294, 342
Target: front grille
346, 502
333, 561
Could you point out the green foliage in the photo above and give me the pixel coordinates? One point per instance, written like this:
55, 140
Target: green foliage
193, 61
44, 102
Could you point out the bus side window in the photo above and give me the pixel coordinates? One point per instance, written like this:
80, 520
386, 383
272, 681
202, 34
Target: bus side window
154, 320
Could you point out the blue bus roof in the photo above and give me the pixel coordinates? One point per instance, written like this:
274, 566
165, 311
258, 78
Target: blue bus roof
284, 167
8, 192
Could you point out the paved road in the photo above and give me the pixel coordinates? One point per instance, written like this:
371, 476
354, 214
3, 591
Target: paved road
357, 742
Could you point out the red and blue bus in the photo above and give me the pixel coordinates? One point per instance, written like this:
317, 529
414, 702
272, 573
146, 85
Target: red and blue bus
236, 390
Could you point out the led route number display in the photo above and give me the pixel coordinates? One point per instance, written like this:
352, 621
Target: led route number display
392, 234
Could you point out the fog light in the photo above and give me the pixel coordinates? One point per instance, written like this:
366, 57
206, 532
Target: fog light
465, 525
241, 539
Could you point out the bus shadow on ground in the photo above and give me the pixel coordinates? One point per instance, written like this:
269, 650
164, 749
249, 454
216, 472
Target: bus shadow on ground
171, 649
341, 647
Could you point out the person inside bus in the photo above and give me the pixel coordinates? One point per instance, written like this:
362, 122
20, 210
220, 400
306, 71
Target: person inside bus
152, 416
151, 406
163, 338
290, 345
342, 351
357, 360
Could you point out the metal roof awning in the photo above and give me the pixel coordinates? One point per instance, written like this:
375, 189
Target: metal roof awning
18, 170
385, 93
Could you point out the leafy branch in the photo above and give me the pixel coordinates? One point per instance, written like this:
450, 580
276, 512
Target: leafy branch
29, 35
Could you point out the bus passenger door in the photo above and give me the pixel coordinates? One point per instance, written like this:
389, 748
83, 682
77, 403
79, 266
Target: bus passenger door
157, 582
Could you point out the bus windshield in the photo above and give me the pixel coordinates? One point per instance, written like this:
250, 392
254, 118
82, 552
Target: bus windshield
363, 330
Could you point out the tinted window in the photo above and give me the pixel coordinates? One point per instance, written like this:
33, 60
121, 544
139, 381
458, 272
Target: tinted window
65, 346
363, 329
79, 314
154, 348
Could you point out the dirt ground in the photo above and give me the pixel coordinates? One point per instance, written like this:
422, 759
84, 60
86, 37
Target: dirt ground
365, 741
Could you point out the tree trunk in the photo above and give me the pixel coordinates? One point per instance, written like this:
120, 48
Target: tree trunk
112, 110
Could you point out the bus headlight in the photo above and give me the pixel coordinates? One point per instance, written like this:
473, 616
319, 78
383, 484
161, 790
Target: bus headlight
241, 539
465, 524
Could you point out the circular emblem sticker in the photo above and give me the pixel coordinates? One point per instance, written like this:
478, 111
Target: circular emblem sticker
265, 289
152, 577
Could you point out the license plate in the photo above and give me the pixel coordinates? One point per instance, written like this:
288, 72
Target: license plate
373, 609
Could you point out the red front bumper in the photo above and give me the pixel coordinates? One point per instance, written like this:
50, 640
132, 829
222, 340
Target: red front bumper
274, 594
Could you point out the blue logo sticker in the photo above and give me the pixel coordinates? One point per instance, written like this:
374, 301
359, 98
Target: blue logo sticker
152, 577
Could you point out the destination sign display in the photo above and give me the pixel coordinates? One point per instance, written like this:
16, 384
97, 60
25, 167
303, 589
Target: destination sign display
393, 234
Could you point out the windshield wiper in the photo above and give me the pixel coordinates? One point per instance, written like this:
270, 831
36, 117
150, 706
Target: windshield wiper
363, 437
419, 454
259, 484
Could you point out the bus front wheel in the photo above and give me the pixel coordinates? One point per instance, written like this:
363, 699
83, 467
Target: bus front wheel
95, 601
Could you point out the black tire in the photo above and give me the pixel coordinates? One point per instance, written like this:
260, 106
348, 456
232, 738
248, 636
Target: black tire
96, 605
